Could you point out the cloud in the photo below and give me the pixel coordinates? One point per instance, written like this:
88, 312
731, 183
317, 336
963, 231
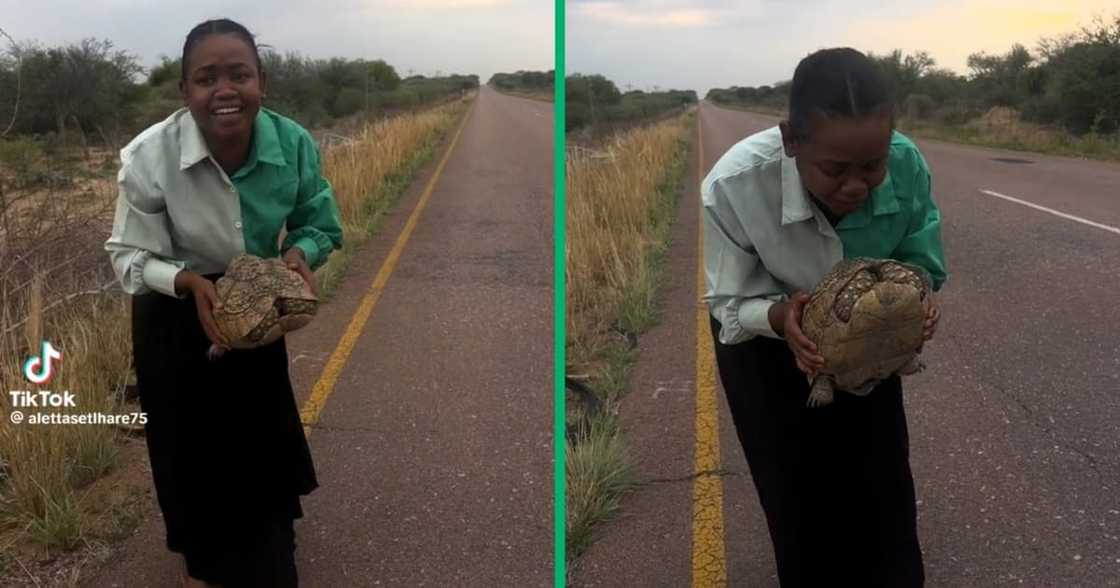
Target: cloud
424, 36
630, 15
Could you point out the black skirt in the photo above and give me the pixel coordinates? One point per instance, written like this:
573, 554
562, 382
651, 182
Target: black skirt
228, 454
834, 481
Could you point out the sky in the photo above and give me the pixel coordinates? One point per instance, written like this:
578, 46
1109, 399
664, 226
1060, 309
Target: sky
701, 44
423, 36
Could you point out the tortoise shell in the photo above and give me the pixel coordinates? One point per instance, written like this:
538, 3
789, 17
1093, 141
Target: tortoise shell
261, 300
866, 317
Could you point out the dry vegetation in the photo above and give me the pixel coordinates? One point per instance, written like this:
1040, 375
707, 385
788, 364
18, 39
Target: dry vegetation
620, 203
66, 492
1004, 128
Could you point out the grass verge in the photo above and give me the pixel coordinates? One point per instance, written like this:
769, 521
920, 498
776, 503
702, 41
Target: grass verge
620, 205
542, 96
1019, 136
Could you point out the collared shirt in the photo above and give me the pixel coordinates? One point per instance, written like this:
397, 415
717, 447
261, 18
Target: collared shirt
177, 209
765, 239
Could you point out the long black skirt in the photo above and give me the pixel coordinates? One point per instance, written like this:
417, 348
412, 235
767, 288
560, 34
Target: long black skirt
228, 454
834, 481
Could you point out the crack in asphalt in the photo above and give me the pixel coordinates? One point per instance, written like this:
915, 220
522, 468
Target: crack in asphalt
338, 429
721, 472
1034, 419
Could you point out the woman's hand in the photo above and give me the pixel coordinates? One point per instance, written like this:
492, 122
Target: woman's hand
295, 261
933, 315
785, 319
205, 301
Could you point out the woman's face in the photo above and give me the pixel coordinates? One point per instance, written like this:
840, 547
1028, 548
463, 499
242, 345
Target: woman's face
843, 158
223, 87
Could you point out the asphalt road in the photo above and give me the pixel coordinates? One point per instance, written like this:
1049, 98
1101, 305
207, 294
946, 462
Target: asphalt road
434, 448
1015, 426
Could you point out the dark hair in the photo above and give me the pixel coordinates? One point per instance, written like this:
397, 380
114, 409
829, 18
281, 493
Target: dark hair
835, 82
220, 26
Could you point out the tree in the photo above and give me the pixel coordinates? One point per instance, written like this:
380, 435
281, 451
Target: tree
590, 95
901, 73
84, 85
382, 75
942, 85
1087, 85
168, 71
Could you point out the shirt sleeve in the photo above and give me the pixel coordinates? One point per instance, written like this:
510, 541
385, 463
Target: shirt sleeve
740, 291
140, 247
314, 224
922, 244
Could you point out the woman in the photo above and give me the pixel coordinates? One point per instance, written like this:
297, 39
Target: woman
781, 208
218, 178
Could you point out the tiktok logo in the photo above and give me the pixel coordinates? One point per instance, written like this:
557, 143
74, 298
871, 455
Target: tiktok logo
39, 369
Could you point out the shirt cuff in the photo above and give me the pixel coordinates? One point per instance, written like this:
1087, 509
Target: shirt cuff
754, 317
310, 250
159, 275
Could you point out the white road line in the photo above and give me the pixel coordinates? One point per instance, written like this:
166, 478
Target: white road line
1083, 221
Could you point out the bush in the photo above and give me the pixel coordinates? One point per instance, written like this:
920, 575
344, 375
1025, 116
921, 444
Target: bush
919, 106
1088, 87
348, 101
1042, 109
576, 116
956, 113
24, 158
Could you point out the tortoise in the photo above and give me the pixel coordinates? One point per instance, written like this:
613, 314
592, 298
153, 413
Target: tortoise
261, 299
866, 318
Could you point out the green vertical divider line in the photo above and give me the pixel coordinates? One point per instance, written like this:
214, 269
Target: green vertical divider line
559, 260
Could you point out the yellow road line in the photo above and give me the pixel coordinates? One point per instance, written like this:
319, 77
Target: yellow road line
709, 562
311, 410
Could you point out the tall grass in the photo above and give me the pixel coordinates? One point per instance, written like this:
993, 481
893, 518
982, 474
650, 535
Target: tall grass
46, 467
46, 470
619, 207
620, 204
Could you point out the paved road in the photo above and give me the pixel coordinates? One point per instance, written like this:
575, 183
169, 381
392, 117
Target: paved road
1015, 429
433, 450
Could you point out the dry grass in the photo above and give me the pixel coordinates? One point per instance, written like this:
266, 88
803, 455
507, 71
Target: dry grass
1004, 128
53, 211
52, 270
618, 211
48, 467
620, 203
538, 95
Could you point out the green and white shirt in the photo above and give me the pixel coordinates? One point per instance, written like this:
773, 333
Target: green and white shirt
765, 239
177, 209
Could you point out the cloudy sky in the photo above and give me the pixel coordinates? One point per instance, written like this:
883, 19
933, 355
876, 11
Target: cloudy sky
700, 44
452, 36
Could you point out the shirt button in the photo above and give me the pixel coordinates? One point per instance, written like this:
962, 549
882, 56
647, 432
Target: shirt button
237, 225
233, 189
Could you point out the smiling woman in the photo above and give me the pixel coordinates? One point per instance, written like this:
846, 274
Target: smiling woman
221, 177
227, 116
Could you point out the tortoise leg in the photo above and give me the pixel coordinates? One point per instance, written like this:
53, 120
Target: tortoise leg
914, 366
215, 351
821, 394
